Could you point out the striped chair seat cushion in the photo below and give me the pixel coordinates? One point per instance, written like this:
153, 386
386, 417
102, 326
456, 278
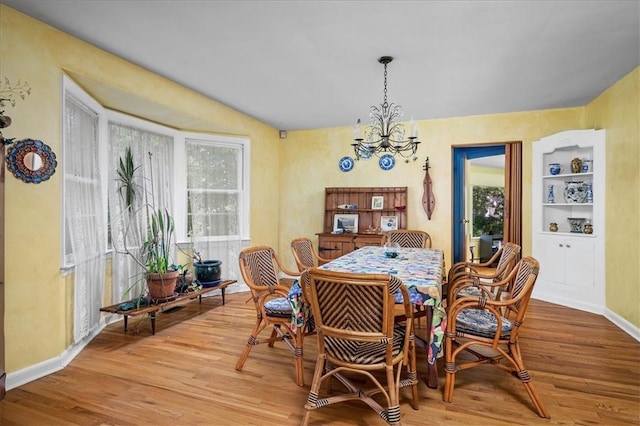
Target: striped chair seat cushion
279, 307
361, 352
481, 323
470, 292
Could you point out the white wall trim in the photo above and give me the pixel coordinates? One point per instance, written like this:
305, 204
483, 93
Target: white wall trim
57, 363
594, 308
623, 324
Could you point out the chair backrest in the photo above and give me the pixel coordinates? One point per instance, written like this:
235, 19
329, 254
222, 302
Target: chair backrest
356, 307
260, 267
304, 253
409, 238
521, 288
507, 260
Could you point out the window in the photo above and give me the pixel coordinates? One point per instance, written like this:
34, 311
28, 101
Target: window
84, 190
203, 181
215, 189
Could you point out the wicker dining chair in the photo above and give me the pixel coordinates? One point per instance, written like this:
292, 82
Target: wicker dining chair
261, 270
409, 238
505, 260
357, 336
305, 255
489, 329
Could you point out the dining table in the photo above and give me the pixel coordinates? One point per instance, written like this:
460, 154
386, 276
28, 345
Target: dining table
420, 270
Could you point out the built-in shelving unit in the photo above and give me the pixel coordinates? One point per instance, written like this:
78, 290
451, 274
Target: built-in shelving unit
571, 257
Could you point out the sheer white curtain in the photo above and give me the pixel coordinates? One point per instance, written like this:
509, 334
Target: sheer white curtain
153, 154
84, 212
215, 201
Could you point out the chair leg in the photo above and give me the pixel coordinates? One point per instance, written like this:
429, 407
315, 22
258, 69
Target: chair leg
450, 370
274, 333
251, 342
298, 356
523, 375
393, 411
413, 374
315, 389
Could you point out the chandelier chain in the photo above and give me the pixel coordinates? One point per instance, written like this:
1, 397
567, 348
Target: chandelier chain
385, 86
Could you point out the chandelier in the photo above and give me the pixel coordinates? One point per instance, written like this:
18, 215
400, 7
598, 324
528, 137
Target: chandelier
385, 135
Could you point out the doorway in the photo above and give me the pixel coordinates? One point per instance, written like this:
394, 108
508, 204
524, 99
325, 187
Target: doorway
462, 189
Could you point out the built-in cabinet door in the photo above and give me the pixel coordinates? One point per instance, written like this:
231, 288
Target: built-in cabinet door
579, 262
567, 261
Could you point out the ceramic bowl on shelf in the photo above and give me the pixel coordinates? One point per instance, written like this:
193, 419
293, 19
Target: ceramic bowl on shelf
575, 192
576, 224
401, 208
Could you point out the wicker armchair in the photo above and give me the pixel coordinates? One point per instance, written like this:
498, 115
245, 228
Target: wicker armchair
305, 255
489, 329
354, 318
261, 270
506, 259
409, 238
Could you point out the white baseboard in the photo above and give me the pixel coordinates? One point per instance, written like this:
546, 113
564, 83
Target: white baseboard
44, 368
620, 322
568, 302
623, 324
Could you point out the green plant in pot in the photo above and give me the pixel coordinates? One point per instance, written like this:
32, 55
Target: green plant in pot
155, 253
162, 274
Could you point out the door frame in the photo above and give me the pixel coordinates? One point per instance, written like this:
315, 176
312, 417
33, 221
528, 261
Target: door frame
513, 191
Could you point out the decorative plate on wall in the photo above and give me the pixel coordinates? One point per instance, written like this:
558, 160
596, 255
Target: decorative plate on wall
31, 161
387, 162
346, 164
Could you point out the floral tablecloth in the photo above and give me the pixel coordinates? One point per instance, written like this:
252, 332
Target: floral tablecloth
419, 269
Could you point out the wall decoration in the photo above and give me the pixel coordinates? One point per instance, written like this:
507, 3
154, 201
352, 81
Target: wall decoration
488, 210
389, 223
347, 223
346, 164
31, 161
377, 202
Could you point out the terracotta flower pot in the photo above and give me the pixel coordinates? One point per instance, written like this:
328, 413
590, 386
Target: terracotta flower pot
162, 286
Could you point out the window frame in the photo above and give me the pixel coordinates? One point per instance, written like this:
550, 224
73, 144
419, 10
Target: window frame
179, 180
70, 88
181, 193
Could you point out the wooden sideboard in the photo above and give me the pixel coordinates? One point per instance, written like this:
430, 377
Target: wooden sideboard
389, 202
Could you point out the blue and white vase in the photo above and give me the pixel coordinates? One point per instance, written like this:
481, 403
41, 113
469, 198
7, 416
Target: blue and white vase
550, 198
589, 193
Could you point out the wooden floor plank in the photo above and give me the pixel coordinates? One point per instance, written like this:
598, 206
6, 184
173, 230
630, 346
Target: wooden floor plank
586, 370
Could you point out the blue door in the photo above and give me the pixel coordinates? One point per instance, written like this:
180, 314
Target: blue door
459, 220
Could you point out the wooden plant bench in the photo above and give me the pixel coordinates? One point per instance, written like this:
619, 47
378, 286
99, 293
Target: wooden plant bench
153, 308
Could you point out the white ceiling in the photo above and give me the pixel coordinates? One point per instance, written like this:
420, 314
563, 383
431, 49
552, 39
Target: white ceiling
313, 64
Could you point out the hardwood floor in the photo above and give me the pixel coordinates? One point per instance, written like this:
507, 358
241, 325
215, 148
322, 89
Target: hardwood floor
586, 370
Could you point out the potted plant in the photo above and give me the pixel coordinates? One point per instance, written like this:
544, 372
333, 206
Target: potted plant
207, 272
155, 253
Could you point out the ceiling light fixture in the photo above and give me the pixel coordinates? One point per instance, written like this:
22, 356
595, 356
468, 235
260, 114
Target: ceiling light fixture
386, 134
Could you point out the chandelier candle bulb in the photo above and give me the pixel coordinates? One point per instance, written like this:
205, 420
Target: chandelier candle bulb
356, 130
414, 129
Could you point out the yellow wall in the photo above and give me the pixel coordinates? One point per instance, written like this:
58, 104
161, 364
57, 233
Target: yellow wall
311, 161
38, 307
288, 176
618, 111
